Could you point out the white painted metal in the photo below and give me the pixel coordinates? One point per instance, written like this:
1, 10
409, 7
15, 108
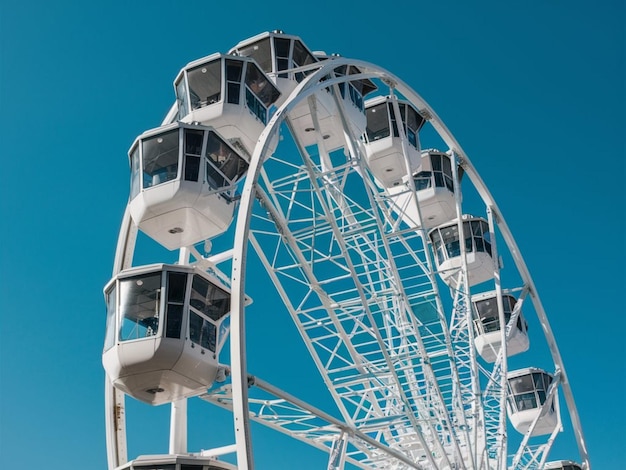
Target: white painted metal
355, 273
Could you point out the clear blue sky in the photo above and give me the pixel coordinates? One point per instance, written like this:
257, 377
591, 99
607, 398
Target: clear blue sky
533, 91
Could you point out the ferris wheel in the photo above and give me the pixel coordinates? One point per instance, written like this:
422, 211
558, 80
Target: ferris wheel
386, 248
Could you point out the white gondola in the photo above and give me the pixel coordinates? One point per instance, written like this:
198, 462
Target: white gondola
527, 394
278, 54
166, 325
434, 186
445, 242
562, 465
487, 326
384, 147
176, 462
230, 94
183, 181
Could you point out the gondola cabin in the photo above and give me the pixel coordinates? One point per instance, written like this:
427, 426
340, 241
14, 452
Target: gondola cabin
176, 462
384, 147
183, 183
166, 325
487, 326
230, 94
279, 54
562, 465
447, 249
527, 395
434, 186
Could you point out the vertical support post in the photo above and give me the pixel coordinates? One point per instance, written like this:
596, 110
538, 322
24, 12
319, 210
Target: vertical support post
178, 427
115, 423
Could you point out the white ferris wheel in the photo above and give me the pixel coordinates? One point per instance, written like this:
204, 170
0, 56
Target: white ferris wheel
352, 193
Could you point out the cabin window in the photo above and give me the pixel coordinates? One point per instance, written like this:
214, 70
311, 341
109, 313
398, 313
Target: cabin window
260, 86
160, 158
224, 166
528, 391
281, 48
487, 311
193, 153
260, 93
135, 166
140, 299
201, 331
442, 170
205, 84
392, 118
377, 122
261, 52
209, 299
176, 284
233, 80
480, 240
111, 302
301, 57
182, 99
422, 180
446, 240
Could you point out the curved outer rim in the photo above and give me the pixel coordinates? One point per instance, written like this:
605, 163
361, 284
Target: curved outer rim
307, 87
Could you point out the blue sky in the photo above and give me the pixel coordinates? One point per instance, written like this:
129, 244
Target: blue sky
533, 91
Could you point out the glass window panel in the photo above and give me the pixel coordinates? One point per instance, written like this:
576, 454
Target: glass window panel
195, 327
192, 168
233, 70
176, 283
435, 161
134, 172
422, 180
209, 299
233, 91
193, 141
392, 118
225, 165
522, 384
301, 55
205, 84
140, 306
412, 137
526, 401
414, 120
541, 395
111, 301
479, 245
193, 150
182, 98
261, 52
282, 47
259, 84
447, 166
439, 181
377, 122
160, 158
174, 320
202, 331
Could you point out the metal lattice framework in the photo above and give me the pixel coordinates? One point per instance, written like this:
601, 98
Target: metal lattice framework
394, 348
